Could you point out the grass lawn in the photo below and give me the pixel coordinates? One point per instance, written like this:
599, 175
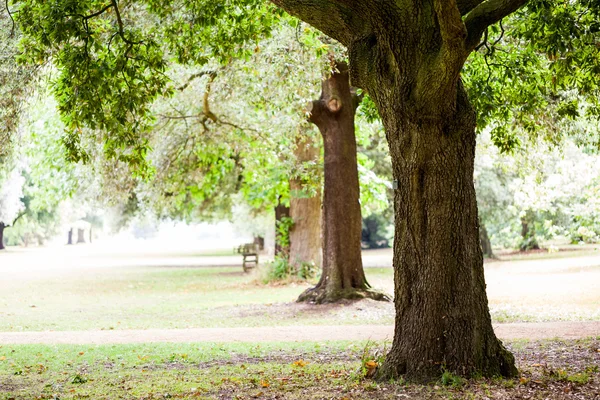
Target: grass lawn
167, 297
143, 293
332, 370
133, 292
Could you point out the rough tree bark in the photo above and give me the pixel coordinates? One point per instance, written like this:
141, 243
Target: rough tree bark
2, 226
305, 210
408, 54
343, 276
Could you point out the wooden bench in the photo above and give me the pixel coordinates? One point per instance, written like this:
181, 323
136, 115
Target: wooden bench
250, 253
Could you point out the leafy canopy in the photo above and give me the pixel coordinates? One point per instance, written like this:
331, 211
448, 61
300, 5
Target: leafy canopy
112, 57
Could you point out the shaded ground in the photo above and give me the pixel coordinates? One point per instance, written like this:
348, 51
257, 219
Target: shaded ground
552, 370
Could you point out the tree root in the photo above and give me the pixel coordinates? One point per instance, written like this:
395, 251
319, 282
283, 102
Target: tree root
320, 295
502, 363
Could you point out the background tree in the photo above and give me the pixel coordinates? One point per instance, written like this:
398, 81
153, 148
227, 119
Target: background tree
343, 275
305, 204
15, 82
550, 188
11, 204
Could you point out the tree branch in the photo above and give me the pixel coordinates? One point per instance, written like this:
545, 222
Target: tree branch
486, 14
205, 99
120, 24
315, 110
21, 214
465, 6
102, 11
192, 77
12, 30
452, 29
340, 21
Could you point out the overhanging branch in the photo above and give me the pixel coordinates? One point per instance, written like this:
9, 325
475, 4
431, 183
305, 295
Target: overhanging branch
21, 214
12, 29
121, 28
338, 21
97, 13
486, 14
465, 6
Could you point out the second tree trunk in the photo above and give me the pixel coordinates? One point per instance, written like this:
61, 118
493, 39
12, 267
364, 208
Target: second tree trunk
305, 210
343, 276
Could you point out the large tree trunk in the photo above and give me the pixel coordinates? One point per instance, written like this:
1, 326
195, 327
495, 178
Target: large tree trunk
305, 210
343, 276
442, 317
2, 226
408, 55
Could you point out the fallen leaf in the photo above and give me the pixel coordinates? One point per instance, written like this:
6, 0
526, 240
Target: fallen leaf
300, 363
371, 368
2, 358
264, 384
523, 380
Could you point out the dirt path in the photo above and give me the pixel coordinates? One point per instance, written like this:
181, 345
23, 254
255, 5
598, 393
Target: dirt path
533, 331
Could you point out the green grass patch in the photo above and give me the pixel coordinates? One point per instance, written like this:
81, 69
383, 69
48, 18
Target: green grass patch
173, 370
332, 370
166, 297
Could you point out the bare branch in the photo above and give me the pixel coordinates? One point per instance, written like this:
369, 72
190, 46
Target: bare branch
102, 11
200, 117
12, 30
120, 24
484, 41
169, 117
486, 14
192, 77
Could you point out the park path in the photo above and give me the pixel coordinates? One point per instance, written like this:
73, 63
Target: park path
511, 331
